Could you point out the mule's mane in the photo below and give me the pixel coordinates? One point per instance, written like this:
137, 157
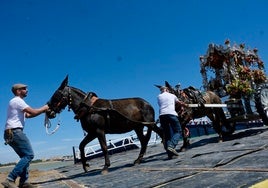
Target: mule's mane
81, 93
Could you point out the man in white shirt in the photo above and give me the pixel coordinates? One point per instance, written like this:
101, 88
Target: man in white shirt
17, 111
169, 120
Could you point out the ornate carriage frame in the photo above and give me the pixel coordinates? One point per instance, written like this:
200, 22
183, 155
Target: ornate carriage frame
237, 74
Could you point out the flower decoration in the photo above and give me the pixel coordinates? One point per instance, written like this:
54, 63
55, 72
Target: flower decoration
244, 72
239, 87
259, 76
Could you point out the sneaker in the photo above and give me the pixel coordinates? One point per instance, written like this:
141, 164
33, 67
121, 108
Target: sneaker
27, 185
173, 151
171, 156
9, 184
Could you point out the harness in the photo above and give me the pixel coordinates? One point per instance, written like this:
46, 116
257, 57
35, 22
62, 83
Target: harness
189, 95
195, 95
86, 107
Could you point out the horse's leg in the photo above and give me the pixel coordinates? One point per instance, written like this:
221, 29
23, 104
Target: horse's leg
103, 144
144, 142
184, 131
158, 131
88, 138
185, 137
217, 125
148, 135
230, 127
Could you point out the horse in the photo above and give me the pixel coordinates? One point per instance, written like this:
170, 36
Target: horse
190, 96
101, 116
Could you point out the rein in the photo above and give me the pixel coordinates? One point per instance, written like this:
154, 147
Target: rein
47, 124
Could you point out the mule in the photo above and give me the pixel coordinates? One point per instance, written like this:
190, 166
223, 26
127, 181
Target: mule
216, 114
101, 116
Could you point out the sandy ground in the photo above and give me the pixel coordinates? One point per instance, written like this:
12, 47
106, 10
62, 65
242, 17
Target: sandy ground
35, 176
44, 179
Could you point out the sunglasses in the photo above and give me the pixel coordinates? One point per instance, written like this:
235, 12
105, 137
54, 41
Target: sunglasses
23, 88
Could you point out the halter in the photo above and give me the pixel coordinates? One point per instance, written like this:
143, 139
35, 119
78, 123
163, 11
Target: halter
64, 98
69, 103
47, 122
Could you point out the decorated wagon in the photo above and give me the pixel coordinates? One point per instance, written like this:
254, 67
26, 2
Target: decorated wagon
237, 74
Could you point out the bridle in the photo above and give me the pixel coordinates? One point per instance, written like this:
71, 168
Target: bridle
63, 101
47, 122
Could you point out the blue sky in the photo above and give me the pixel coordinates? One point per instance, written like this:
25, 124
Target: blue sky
115, 48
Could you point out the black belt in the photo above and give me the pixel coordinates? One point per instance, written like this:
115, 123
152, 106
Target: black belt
18, 128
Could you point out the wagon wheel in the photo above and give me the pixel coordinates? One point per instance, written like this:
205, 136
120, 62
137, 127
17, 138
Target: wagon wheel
261, 102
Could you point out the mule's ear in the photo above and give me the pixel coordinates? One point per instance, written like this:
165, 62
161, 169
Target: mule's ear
64, 83
167, 85
158, 86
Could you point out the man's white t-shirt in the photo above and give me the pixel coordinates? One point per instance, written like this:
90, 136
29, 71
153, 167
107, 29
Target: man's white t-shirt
15, 114
166, 102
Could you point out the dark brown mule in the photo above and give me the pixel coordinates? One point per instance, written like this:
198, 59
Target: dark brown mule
100, 116
216, 115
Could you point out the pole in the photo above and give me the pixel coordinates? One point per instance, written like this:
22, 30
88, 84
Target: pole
208, 105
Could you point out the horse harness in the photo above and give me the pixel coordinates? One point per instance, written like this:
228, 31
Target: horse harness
190, 95
86, 108
195, 95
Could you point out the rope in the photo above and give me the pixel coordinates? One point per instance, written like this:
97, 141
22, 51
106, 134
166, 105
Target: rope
47, 124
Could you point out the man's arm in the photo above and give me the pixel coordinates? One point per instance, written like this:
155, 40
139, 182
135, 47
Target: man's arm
182, 104
32, 112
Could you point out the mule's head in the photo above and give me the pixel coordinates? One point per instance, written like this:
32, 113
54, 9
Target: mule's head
59, 100
170, 88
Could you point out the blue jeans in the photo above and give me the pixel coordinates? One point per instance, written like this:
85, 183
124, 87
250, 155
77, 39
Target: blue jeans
172, 130
23, 148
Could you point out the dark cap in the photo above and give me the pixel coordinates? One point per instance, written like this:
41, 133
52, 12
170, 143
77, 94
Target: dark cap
17, 86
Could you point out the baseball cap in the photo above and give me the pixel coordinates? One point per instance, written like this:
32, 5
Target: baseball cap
17, 86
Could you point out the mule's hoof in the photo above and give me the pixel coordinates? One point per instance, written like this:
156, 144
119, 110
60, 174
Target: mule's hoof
137, 162
184, 146
85, 170
188, 143
104, 171
86, 167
